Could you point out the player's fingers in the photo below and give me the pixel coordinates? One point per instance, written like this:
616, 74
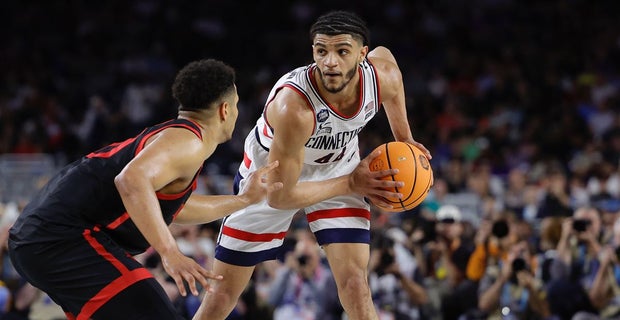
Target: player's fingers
383, 173
191, 281
424, 150
380, 202
199, 275
375, 153
387, 184
178, 280
387, 194
210, 275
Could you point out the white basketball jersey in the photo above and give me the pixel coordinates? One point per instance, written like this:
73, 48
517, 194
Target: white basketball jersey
335, 136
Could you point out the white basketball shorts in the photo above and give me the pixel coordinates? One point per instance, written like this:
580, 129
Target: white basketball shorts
256, 233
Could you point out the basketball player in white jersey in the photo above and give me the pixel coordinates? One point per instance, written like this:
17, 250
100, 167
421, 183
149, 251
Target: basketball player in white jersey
310, 124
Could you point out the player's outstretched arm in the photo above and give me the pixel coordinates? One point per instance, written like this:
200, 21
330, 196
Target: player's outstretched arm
206, 208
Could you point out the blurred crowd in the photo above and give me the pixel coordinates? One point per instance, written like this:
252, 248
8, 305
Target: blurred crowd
518, 102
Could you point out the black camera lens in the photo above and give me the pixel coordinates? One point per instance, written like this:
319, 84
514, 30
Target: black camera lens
302, 260
518, 264
500, 228
580, 225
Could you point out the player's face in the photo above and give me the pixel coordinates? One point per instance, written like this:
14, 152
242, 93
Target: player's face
233, 113
337, 58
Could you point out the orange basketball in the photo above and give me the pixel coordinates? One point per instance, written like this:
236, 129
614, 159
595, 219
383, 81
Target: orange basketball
413, 169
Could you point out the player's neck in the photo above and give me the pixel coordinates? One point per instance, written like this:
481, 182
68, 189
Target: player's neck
208, 124
196, 116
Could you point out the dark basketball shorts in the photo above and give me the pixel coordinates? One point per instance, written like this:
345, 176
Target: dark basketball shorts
92, 277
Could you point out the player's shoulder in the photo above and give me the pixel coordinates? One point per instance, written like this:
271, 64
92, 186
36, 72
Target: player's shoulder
289, 108
290, 100
388, 72
381, 52
382, 59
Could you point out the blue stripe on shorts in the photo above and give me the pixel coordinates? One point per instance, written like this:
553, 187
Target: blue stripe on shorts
327, 236
245, 259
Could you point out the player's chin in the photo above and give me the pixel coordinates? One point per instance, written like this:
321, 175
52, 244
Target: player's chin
334, 87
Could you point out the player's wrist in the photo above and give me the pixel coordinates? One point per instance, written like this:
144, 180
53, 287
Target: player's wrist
246, 200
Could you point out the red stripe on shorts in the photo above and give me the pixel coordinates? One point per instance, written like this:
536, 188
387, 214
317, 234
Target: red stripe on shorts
338, 213
126, 279
111, 290
252, 237
101, 250
246, 160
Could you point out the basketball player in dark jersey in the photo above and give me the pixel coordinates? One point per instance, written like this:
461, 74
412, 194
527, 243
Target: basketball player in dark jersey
76, 238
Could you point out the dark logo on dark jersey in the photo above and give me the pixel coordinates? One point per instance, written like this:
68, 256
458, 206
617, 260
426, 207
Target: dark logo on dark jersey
424, 162
322, 115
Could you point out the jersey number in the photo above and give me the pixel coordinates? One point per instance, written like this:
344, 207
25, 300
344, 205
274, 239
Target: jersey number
328, 158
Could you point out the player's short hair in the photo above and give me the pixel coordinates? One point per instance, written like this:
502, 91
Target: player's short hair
341, 22
202, 83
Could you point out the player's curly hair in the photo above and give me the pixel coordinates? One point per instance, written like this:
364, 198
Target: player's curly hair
201, 83
341, 22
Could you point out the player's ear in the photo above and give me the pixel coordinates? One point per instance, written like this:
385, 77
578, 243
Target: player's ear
363, 52
223, 110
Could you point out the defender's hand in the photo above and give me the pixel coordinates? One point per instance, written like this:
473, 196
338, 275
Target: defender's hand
183, 269
258, 188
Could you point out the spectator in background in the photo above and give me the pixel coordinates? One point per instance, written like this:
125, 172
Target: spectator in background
557, 201
496, 235
609, 209
449, 255
573, 287
96, 120
396, 283
605, 288
509, 289
514, 195
550, 235
304, 288
450, 239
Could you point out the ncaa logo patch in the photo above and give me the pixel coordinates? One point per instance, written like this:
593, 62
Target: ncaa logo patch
322, 115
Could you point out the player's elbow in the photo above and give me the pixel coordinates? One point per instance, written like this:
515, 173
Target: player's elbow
275, 203
124, 182
120, 179
279, 201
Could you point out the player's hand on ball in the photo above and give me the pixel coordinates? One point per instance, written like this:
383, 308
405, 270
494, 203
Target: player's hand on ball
184, 269
258, 187
423, 149
371, 183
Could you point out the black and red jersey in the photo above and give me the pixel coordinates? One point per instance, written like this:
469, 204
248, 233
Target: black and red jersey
83, 196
